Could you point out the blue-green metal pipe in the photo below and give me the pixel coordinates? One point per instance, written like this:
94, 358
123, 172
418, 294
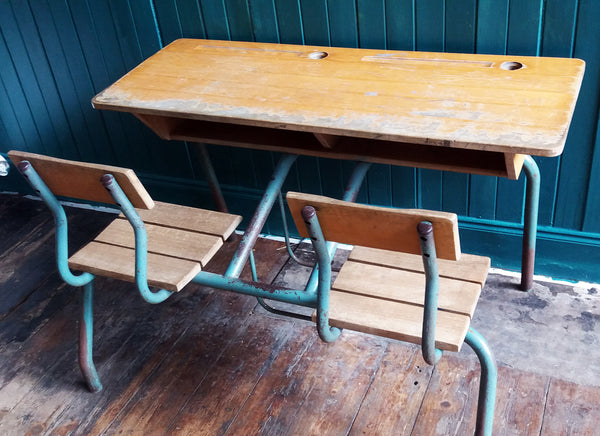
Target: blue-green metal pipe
532, 201
86, 339
487, 385
141, 242
326, 332
261, 290
257, 222
61, 225
350, 194
432, 280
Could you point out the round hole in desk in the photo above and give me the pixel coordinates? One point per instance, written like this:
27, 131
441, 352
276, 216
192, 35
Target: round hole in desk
318, 55
512, 65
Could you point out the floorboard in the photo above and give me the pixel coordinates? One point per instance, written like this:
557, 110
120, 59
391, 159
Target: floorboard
216, 363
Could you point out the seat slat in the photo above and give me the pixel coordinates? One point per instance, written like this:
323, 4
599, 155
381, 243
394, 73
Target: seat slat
119, 263
394, 320
391, 284
469, 267
191, 218
167, 241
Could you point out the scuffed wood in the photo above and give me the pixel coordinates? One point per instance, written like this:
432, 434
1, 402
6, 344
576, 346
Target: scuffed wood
442, 99
393, 401
377, 227
68, 178
571, 409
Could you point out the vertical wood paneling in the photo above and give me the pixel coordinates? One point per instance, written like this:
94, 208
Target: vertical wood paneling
574, 178
343, 27
56, 55
190, 19
557, 40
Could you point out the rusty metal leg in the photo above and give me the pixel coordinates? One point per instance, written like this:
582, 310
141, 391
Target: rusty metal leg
259, 218
86, 339
532, 200
211, 178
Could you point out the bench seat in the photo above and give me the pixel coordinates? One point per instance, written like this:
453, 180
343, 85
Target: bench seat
181, 241
382, 292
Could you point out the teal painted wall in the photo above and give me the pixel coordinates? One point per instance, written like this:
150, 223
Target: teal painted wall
54, 56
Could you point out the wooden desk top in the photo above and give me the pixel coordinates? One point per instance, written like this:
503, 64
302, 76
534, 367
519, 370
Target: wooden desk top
505, 104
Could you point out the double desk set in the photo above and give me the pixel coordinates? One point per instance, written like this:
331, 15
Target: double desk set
406, 278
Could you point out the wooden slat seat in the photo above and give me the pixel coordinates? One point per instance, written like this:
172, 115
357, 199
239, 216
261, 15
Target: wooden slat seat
382, 292
181, 241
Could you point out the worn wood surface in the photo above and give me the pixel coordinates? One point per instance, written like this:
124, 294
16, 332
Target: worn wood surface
446, 99
81, 180
377, 227
469, 268
209, 362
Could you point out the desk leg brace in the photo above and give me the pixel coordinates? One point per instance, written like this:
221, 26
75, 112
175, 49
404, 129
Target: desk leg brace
259, 218
532, 200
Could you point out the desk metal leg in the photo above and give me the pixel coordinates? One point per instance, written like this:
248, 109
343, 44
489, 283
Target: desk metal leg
259, 218
211, 178
532, 200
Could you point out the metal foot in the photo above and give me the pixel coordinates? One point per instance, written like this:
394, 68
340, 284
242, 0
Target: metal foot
86, 338
487, 385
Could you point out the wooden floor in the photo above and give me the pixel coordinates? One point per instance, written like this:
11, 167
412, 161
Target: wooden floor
209, 362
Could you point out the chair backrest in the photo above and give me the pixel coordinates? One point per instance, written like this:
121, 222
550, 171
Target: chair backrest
377, 227
81, 180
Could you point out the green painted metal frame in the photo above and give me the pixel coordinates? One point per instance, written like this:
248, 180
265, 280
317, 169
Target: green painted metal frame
489, 373
307, 297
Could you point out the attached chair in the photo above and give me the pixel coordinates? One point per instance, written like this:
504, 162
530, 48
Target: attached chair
392, 285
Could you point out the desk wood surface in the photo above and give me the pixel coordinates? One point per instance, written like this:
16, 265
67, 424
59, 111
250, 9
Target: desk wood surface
462, 101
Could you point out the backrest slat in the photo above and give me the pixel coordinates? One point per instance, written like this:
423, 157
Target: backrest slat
377, 227
81, 180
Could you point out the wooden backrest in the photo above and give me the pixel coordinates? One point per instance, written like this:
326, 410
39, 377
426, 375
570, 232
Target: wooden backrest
377, 227
81, 180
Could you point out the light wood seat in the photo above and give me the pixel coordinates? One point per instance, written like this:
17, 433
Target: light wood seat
181, 241
382, 292
380, 289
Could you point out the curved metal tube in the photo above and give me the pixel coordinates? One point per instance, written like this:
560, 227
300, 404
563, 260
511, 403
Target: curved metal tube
431, 355
487, 385
141, 242
86, 340
326, 332
61, 225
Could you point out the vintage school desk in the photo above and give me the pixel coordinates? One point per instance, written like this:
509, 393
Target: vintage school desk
479, 114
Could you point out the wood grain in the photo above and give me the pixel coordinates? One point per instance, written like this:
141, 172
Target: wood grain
81, 180
445, 99
394, 320
167, 241
191, 218
571, 409
394, 399
117, 262
390, 284
377, 227
469, 268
